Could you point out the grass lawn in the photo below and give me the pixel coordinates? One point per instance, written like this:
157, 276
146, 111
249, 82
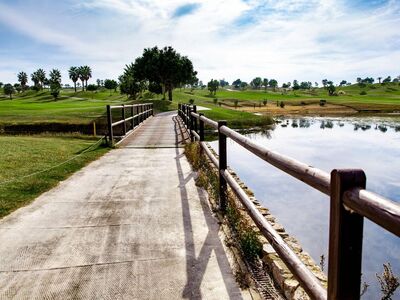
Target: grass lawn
85, 107
23, 155
40, 107
378, 97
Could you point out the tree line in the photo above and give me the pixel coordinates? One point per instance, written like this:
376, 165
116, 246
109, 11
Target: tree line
257, 83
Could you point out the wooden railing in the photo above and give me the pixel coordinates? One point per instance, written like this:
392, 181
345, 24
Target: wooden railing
349, 204
137, 113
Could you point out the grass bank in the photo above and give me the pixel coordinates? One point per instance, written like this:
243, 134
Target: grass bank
24, 155
353, 99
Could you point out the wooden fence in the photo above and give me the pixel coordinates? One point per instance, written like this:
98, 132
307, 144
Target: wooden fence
350, 202
137, 113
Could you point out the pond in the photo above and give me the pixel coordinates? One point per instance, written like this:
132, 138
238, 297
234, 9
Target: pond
370, 144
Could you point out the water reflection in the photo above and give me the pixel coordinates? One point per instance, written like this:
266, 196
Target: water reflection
370, 144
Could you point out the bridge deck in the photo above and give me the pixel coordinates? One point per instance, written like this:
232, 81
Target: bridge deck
131, 225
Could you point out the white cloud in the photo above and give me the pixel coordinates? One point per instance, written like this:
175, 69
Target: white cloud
289, 39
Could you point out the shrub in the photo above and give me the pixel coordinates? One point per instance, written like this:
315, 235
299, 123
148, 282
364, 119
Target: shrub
265, 102
191, 101
236, 102
215, 100
363, 93
322, 102
92, 87
282, 104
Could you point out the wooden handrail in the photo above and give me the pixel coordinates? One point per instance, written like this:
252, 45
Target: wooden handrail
382, 211
349, 194
143, 111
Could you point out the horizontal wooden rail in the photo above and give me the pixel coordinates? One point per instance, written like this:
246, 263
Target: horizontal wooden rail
310, 175
138, 113
376, 208
306, 278
350, 202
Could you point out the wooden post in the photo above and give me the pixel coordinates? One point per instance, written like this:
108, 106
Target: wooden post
191, 125
345, 238
109, 125
201, 128
195, 119
123, 118
133, 119
179, 110
152, 109
222, 166
94, 129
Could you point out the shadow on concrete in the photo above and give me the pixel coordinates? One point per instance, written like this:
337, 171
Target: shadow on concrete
196, 266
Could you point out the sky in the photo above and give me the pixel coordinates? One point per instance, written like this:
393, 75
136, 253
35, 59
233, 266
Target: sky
307, 40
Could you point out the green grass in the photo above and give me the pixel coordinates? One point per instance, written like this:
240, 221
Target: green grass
23, 155
40, 107
378, 97
85, 107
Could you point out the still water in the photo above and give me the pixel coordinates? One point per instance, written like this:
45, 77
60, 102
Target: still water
369, 144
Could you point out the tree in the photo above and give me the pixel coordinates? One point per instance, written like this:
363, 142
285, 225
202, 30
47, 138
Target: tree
98, 81
23, 80
265, 84
8, 90
39, 78
41, 75
55, 83
379, 79
256, 82
129, 84
243, 85
164, 66
343, 82
387, 79
331, 88
92, 87
236, 84
273, 83
110, 84
85, 73
324, 83
18, 87
73, 73
296, 85
36, 82
1, 85
212, 86
223, 83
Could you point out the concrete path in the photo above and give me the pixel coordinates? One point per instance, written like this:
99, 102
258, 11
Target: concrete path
131, 225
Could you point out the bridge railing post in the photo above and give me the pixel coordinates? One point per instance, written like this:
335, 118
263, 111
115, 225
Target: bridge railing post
222, 153
201, 127
195, 126
123, 118
345, 238
191, 122
109, 126
133, 119
152, 109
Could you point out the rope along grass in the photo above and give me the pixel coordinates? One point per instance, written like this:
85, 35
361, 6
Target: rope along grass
51, 168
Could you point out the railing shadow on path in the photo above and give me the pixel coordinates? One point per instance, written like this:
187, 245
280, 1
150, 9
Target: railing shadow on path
196, 266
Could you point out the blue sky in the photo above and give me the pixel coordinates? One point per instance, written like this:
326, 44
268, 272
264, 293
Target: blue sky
290, 39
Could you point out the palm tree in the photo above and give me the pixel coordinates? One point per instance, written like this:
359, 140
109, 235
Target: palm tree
86, 72
74, 75
41, 76
55, 76
35, 79
82, 76
23, 79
